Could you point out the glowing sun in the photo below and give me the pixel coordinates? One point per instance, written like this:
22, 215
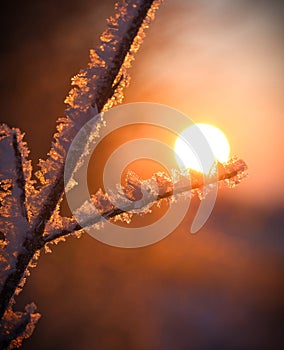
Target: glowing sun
191, 138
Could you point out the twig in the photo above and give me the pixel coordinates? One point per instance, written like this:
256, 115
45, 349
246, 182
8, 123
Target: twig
227, 172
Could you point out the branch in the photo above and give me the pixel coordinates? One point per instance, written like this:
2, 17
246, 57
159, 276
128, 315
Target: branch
94, 88
16, 326
97, 87
21, 182
229, 173
15, 172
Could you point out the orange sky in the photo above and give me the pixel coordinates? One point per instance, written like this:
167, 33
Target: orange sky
222, 64
219, 62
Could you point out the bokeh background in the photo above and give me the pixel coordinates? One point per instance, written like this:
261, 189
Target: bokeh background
220, 62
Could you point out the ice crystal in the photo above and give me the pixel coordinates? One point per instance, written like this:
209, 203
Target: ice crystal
17, 326
237, 168
102, 202
163, 181
110, 35
132, 189
15, 188
137, 195
97, 87
16, 193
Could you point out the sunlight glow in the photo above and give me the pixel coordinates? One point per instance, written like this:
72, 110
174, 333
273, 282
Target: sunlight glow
216, 139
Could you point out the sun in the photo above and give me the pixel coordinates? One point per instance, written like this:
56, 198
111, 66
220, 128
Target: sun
191, 138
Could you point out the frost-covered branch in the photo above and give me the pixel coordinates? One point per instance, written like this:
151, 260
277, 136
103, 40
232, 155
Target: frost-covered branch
25, 210
15, 183
17, 326
229, 174
95, 88
29, 208
20, 177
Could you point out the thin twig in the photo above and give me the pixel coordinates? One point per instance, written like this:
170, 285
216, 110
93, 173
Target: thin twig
234, 169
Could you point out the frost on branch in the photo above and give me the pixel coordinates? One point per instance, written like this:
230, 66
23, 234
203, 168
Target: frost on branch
17, 326
16, 191
30, 217
119, 43
138, 195
15, 188
97, 87
162, 187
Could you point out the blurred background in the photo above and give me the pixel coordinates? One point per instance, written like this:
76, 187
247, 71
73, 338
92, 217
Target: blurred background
219, 62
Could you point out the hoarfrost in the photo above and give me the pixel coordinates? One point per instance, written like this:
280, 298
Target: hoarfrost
15, 189
17, 326
29, 209
137, 196
96, 88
